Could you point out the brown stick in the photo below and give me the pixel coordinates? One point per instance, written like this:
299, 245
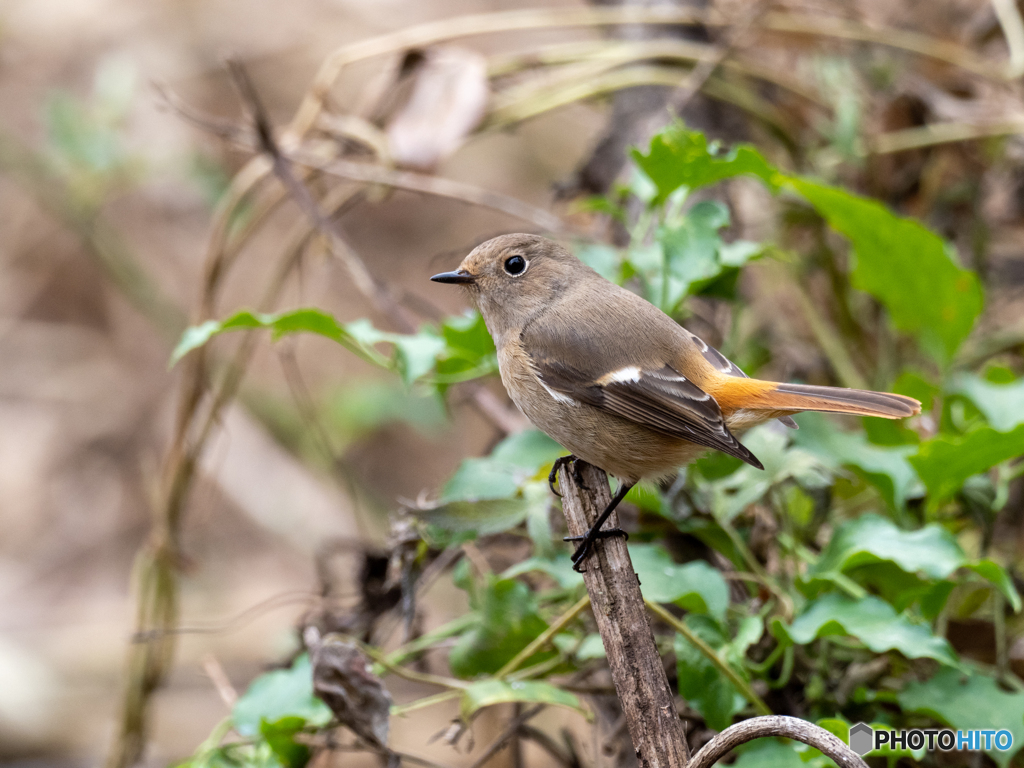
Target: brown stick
636, 667
776, 725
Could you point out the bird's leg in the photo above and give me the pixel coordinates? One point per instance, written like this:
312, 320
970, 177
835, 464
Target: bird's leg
560, 462
587, 540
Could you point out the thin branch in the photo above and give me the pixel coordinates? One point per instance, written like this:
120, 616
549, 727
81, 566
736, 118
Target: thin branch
361, 276
637, 670
776, 725
544, 637
431, 185
940, 133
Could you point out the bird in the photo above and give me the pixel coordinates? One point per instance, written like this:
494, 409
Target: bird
616, 381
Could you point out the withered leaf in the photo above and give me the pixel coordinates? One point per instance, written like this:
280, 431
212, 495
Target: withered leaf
448, 101
343, 680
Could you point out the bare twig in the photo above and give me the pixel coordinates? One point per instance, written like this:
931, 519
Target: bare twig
614, 589
776, 725
215, 671
367, 284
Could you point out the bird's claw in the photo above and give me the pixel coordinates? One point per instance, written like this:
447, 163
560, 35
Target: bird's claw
560, 462
586, 547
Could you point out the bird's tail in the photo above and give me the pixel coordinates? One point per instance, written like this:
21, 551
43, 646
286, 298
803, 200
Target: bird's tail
806, 397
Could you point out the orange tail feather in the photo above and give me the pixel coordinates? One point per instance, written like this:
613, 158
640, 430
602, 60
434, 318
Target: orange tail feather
806, 397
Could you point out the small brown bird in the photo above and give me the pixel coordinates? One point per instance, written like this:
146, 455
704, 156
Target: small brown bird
614, 379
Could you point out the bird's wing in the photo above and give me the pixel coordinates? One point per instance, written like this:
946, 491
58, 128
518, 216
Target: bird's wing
663, 400
724, 365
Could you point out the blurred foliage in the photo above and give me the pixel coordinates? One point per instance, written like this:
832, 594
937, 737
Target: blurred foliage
847, 556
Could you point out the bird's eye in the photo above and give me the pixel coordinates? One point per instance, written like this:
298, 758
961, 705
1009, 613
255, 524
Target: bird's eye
515, 265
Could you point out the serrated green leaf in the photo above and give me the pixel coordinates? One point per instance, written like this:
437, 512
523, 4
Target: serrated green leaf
904, 265
278, 694
945, 463
678, 158
695, 586
486, 693
969, 702
872, 621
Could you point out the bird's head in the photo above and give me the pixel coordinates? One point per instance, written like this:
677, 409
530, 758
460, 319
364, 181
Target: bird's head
512, 277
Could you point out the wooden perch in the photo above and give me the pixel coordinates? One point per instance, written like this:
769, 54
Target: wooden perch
637, 670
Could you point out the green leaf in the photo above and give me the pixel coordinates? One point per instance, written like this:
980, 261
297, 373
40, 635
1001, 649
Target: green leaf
486, 693
530, 449
945, 463
482, 518
904, 265
603, 259
691, 254
485, 517
681, 158
480, 479
502, 474
414, 355
695, 586
870, 620
1002, 404
558, 568
280, 737
730, 495
887, 468
467, 335
279, 694
930, 551
507, 621
469, 350
969, 702
997, 575
701, 683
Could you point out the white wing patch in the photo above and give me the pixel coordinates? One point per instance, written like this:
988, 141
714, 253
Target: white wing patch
557, 396
622, 376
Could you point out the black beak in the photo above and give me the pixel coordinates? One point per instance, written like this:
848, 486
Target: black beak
460, 276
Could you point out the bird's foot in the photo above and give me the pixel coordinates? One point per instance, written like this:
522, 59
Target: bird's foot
586, 547
560, 462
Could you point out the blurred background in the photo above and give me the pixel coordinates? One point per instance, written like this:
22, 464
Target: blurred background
107, 194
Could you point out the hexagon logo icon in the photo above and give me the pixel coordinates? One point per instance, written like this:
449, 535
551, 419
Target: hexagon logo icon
861, 738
